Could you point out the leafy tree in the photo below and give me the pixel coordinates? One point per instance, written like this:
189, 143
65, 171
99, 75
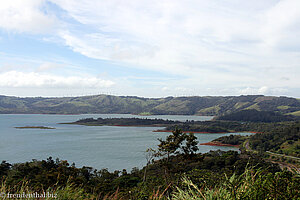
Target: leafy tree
172, 143
178, 142
191, 143
4, 168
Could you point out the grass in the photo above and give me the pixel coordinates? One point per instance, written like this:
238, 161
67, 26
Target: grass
254, 106
145, 113
62, 193
297, 113
283, 107
291, 148
252, 184
212, 109
240, 104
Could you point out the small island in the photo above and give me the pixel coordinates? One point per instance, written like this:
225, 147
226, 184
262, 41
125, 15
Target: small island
34, 127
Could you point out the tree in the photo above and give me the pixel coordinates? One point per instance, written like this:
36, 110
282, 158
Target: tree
172, 143
150, 154
190, 145
176, 143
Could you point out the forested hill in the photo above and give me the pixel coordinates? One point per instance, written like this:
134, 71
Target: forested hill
207, 105
252, 115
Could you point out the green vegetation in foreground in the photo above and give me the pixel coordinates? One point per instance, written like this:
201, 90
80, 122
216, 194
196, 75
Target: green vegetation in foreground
34, 127
251, 184
159, 179
173, 171
208, 105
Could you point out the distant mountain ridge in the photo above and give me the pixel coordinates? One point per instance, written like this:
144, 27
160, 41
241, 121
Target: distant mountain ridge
195, 105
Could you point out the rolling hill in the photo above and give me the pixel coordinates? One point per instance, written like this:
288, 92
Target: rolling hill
195, 105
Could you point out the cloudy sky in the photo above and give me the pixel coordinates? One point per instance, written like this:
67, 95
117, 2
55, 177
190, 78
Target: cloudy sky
149, 48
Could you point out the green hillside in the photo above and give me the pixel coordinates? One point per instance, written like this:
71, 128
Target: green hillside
207, 105
257, 116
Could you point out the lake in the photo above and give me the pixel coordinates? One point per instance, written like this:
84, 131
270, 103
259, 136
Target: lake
111, 147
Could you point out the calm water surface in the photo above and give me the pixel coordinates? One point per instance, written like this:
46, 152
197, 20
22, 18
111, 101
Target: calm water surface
99, 146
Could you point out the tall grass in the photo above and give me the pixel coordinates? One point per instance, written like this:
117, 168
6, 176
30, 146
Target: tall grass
68, 192
252, 184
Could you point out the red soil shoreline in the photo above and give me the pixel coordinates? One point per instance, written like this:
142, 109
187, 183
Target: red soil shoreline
157, 125
219, 144
169, 131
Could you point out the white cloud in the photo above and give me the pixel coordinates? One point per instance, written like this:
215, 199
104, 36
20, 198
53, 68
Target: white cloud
184, 37
253, 46
48, 66
281, 28
16, 79
26, 16
264, 90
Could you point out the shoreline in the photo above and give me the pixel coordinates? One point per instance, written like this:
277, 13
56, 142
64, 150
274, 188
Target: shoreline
33, 127
169, 131
219, 144
153, 125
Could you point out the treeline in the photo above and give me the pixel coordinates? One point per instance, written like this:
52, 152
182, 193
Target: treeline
208, 127
281, 137
231, 139
124, 121
203, 169
225, 126
284, 138
257, 116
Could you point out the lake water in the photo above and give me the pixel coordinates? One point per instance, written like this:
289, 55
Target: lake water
95, 146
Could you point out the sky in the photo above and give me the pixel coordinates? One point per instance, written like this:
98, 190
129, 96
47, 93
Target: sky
147, 48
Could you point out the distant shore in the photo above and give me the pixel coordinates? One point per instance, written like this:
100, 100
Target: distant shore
169, 131
34, 127
219, 144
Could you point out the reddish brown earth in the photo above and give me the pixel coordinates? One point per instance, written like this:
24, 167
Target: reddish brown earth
168, 131
219, 144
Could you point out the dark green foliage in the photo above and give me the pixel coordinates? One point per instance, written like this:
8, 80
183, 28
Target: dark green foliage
227, 126
190, 147
4, 168
208, 167
177, 143
206, 126
231, 139
124, 122
171, 144
251, 184
274, 138
256, 116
